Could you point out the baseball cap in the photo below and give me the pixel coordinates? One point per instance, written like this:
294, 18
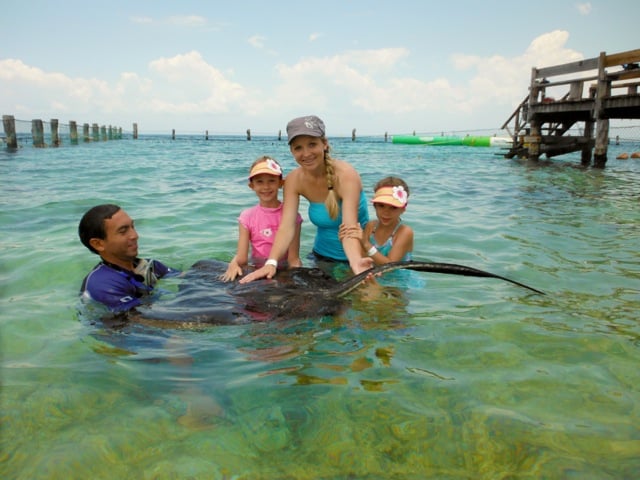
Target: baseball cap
309, 125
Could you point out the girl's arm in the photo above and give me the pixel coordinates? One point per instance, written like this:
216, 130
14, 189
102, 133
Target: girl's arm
241, 258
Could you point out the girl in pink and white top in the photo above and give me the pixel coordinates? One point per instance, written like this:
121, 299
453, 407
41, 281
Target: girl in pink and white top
258, 225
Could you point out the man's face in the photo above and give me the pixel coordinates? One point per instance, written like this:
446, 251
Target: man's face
120, 246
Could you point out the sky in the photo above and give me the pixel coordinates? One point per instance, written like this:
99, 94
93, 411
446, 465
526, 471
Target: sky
225, 67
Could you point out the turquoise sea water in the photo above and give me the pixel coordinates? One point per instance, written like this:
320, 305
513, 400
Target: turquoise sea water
441, 377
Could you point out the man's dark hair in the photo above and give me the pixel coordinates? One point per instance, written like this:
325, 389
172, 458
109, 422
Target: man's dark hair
92, 223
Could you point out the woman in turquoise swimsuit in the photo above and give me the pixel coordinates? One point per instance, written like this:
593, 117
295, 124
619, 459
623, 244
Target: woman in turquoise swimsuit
334, 191
386, 239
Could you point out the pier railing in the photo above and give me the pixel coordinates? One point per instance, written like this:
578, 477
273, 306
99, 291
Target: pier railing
590, 91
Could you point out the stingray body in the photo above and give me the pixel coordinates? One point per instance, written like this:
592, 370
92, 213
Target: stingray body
296, 293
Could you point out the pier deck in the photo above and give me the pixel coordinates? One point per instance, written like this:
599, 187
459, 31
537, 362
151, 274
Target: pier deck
599, 89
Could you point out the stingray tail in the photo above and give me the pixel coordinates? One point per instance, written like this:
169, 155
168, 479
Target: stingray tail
450, 268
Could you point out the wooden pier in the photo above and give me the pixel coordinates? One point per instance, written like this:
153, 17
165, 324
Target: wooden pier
540, 122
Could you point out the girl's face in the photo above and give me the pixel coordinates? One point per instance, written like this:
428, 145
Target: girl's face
266, 187
388, 214
308, 151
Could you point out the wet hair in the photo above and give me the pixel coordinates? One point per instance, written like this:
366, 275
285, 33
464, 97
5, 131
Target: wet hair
92, 223
392, 182
331, 203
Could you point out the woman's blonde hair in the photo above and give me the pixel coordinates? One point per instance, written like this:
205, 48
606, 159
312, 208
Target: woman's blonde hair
331, 203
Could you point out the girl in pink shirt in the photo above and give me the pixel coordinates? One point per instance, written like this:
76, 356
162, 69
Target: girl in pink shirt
258, 225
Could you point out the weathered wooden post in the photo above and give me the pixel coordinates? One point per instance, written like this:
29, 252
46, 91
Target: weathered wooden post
95, 131
37, 132
279, 135
206, 134
173, 134
385, 137
602, 124
533, 138
85, 133
73, 132
55, 138
120, 133
585, 153
353, 135
9, 123
103, 133
110, 132
248, 134
135, 131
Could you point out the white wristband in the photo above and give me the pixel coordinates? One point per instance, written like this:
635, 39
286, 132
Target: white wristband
372, 251
273, 262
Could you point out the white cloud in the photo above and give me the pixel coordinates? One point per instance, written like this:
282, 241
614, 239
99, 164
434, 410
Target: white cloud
257, 41
187, 20
314, 36
370, 85
584, 8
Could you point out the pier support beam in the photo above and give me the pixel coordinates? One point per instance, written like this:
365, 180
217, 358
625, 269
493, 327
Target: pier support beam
73, 132
55, 138
37, 132
602, 142
9, 123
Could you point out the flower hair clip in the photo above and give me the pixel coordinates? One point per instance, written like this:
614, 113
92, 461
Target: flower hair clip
400, 194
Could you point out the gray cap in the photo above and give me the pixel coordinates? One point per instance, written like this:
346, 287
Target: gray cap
309, 125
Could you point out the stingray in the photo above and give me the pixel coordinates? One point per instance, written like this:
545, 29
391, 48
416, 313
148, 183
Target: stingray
203, 298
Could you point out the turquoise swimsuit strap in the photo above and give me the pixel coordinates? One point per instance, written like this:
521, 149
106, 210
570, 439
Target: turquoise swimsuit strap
373, 232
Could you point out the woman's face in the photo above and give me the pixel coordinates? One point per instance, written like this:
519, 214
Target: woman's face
308, 151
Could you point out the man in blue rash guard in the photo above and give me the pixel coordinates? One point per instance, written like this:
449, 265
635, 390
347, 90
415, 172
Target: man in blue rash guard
121, 279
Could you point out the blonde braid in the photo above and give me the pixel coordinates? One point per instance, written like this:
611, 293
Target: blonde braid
331, 203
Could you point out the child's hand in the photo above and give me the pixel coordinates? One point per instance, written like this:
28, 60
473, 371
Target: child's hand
350, 231
233, 271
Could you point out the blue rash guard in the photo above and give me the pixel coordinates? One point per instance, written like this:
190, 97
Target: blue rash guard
119, 289
326, 242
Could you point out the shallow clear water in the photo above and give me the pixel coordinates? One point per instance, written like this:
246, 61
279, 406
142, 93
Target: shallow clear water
440, 377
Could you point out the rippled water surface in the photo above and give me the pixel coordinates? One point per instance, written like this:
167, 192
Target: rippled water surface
437, 376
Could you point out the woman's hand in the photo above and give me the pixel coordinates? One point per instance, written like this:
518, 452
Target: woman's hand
362, 264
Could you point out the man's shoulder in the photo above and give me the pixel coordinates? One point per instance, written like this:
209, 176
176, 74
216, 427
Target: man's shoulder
99, 274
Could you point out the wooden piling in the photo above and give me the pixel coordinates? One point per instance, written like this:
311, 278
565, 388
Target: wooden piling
353, 135
248, 134
95, 132
55, 138
206, 135
279, 135
37, 132
73, 132
9, 123
103, 133
85, 133
135, 131
173, 134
